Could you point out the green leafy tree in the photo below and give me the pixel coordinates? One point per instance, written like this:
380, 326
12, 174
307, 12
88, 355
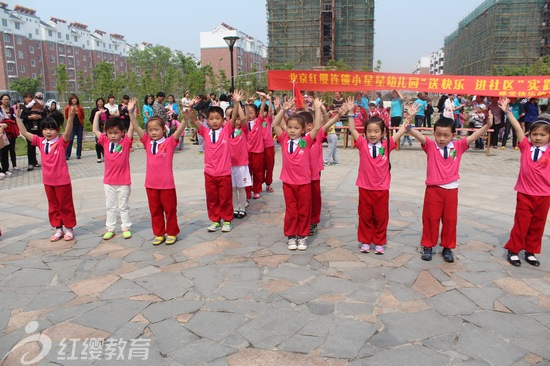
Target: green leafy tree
62, 85
25, 85
337, 65
378, 66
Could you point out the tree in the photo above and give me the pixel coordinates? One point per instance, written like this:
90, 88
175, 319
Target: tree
62, 85
25, 85
378, 66
337, 65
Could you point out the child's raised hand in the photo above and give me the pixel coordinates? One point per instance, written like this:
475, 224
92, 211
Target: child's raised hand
195, 100
132, 104
288, 104
317, 103
412, 109
237, 96
350, 104
277, 102
503, 104
72, 111
407, 124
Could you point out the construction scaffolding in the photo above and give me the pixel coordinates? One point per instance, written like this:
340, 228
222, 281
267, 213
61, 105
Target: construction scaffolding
309, 34
498, 33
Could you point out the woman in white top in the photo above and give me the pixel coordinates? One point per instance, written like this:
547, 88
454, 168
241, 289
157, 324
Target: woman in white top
111, 106
185, 102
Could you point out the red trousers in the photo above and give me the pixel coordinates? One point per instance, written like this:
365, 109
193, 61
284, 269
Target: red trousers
256, 167
440, 205
373, 216
529, 221
219, 198
60, 205
316, 201
298, 209
163, 203
269, 164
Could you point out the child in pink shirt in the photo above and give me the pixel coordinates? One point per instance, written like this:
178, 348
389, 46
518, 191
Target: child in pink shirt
159, 177
533, 187
255, 150
240, 175
269, 144
441, 196
116, 144
296, 171
373, 179
55, 172
217, 169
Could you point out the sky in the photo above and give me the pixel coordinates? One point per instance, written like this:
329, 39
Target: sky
403, 33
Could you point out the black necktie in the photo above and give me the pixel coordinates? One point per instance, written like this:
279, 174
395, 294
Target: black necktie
291, 146
47, 148
249, 126
445, 153
374, 152
154, 147
112, 149
213, 137
536, 156
233, 134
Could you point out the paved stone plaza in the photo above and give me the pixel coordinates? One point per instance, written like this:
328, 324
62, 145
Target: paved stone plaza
242, 298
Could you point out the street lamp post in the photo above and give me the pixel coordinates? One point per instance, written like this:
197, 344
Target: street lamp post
230, 40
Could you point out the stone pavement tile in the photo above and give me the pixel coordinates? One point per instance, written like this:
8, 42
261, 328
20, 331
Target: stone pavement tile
508, 325
93, 285
402, 275
242, 274
480, 344
521, 304
402, 328
235, 291
337, 254
72, 330
452, 303
358, 311
291, 273
169, 335
329, 284
123, 289
535, 345
516, 286
301, 294
206, 279
250, 356
165, 285
68, 312
273, 327
51, 297
482, 297
346, 337
251, 308
142, 272
428, 285
301, 344
480, 278
168, 309
542, 285
414, 354
215, 326
320, 308
111, 316
29, 277
200, 352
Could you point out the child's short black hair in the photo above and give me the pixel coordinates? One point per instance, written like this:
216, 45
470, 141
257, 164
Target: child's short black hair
49, 122
306, 116
215, 109
113, 122
445, 122
544, 108
253, 106
300, 119
377, 121
125, 97
541, 123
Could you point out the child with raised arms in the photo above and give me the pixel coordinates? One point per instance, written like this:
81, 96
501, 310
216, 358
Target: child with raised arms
533, 187
269, 144
159, 177
296, 171
116, 143
55, 172
255, 150
373, 179
217, 168
441, 196
240, 175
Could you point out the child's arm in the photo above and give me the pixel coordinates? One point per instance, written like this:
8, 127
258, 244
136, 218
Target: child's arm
133, 120
22, 129
262, 106
269, 106
415, 133
513, 121
279, 117
176, 135
195, 121
348, 108
317, 104
69, 126
237, 97
478, 133
341, 111
402, 129
95, 124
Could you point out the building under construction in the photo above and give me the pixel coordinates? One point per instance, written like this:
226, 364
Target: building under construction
308, 34
498, 33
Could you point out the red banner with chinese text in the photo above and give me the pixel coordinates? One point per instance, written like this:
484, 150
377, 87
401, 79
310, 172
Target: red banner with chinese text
510, 86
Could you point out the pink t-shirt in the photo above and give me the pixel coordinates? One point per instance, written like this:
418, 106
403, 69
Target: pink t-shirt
296, 167
239, 147
534, 177
374, 173
256, 136
316, 156
217, 156
268, 132
439, 170
159, 173
117, 163
55, 171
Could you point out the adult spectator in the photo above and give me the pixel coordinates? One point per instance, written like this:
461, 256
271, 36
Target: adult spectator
516, 108
78, 127
52, 110
32, 115
429, 111
422, 105
103, 117
111, 106
172, 107
378, 99
7, 120
458, 107
498, 121
441, 104
159, 108
185, 101
147, 109
396, 108
531, 109
224, 102
362, 101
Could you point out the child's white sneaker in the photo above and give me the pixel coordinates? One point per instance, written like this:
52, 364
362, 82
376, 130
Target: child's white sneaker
292, 243
302, 243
